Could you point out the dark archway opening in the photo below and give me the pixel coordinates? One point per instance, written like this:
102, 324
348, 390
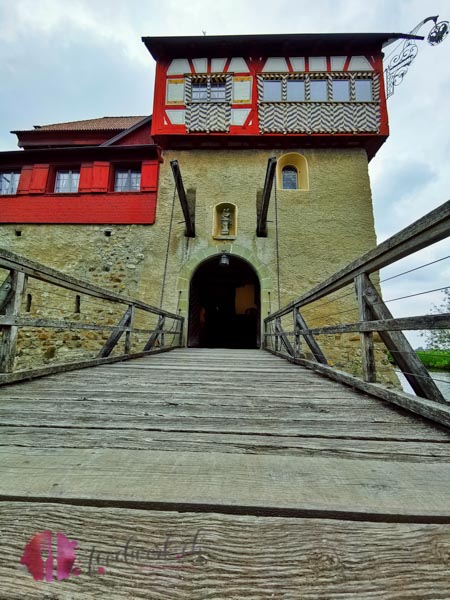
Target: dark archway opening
224, 304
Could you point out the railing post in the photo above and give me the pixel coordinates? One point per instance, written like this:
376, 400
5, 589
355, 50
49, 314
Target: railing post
367, 348
128, 334
296, 332
11, 307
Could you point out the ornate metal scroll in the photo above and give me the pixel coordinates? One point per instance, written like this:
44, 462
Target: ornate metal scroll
400, 63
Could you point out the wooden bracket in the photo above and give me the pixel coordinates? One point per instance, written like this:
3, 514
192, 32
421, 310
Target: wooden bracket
401, 350
187, 201
263, 198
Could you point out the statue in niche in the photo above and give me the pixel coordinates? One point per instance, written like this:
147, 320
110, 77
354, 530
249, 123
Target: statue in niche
225, 222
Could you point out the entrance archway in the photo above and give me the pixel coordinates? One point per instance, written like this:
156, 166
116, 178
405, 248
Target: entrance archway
224, 304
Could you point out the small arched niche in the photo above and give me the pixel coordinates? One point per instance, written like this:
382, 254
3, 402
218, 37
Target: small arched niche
292, 172
225, 221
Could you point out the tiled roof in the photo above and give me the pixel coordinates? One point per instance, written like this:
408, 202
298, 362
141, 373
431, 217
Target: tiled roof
101, 124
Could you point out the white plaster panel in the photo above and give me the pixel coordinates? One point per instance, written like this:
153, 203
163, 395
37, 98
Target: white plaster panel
179, 66
297, 62
200, 65
177, 117
238, 65
175, 92
359, 63
242, 89
275, 64
218, 65
338, 62
317, 63
239, 115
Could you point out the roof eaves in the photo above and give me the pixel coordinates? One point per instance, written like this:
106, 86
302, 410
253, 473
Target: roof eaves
124, 133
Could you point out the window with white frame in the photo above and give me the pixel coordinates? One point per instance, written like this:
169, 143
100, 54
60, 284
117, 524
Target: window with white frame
66, 181
9, 180
127, 180
331, 87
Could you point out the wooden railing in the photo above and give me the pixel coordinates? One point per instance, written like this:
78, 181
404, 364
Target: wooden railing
122, 316
372, 316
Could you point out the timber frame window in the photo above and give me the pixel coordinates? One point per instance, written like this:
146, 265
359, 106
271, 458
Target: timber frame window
9, 180
66, 181
127, 179
207, 88
317, 87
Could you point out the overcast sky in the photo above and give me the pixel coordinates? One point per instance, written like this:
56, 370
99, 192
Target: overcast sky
63, 60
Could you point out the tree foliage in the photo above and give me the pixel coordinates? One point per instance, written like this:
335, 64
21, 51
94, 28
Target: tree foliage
439, 339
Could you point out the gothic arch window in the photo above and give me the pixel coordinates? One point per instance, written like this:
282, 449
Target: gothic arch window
292, 172
289, 178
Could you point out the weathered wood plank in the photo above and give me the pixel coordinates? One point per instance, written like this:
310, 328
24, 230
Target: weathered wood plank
237, 557
262, 204
116, 334
265, 483
8, 340
131, 439
187, 205
309, 338
366, 338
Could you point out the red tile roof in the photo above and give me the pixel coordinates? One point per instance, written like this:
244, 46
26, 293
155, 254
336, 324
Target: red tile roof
101, 124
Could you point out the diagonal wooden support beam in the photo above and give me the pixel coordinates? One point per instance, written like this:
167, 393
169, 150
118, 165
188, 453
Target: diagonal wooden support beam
401, 350
116, 333
187, 201
283, 337
263, 199
310, 339
154, 336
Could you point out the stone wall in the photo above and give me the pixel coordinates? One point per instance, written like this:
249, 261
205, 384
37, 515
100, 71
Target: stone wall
320, 230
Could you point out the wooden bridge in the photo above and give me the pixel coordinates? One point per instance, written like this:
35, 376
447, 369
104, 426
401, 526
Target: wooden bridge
224, 474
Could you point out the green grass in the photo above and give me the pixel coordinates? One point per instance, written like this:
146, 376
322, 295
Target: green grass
435, 359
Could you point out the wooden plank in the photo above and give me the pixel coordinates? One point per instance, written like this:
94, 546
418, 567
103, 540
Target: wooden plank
401, 350
128, 334
7, 378
302, 486
144, 554
283, 337
262, 205
432, 447
12, 261
8, 340
431, 228
429, 409
155, 334
366, 338
441, 321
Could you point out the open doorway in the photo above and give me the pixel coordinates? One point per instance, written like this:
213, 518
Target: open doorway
224, 304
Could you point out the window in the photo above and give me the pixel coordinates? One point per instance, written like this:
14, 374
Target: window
295, 90
127, 180
213, 90
66, 182
363, 90
341, 90
289, 178
318, 90
272, 91
9, 180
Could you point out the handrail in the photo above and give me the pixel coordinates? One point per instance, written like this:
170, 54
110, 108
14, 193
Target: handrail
374, 316
12, 293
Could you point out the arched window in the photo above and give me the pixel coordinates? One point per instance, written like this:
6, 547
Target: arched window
289, 177
292, 172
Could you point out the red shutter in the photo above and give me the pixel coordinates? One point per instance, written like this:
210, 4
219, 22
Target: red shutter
85, 183
149, 175
39, 177
25, 179
100, 176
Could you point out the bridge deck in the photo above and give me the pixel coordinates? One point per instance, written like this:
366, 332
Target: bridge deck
284, 483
